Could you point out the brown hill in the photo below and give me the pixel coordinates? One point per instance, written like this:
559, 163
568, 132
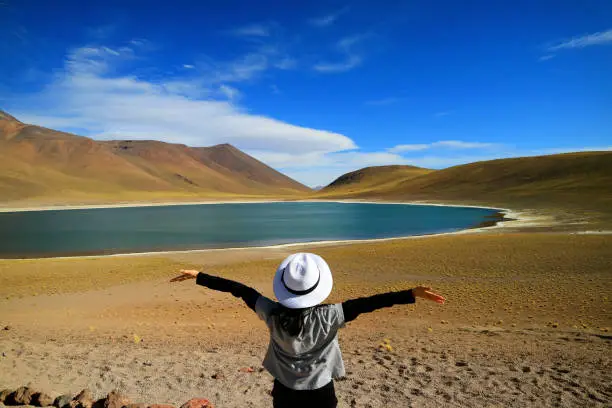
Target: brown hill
372, 179
40, 164
572, 180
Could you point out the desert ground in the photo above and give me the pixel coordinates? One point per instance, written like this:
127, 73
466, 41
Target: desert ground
527, 323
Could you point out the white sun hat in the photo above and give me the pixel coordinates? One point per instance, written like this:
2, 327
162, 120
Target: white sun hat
302, 280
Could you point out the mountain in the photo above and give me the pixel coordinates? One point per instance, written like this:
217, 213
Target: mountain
576, 180
372, 179
40, 164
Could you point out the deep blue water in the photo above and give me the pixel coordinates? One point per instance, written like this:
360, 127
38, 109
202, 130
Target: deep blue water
176, 227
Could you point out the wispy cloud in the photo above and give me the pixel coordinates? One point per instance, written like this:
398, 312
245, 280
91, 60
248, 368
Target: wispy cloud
352, 58
252, 30
329, 19
88, 94
546, 57
352, 61
188, 66
231, 93
286, 63
442, 114
444, 144
275, 89
384, 101
587, 40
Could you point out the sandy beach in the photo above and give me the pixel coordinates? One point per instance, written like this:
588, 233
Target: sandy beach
527, 323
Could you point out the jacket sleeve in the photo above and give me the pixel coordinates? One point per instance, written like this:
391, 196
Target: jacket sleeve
249, 295
354, 307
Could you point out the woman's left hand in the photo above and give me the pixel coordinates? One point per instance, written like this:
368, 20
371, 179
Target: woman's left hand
426, 293
185, 274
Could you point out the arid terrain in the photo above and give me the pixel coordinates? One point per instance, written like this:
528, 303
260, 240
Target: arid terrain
527, 323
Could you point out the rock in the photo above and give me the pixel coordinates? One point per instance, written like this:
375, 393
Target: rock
7, 327
62, 401
161, 406
115, 399
4, 395
40, 399
197, 403
21, 396
83, 400
217, 376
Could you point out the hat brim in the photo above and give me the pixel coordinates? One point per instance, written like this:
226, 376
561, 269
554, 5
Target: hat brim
318, 295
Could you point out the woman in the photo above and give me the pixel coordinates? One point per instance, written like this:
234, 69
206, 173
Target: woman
303, 355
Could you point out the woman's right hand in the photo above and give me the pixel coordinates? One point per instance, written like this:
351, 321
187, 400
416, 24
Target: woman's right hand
185, 274
426, 293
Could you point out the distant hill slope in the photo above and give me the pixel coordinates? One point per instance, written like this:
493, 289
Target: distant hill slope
573, 179
372, 179
41, 164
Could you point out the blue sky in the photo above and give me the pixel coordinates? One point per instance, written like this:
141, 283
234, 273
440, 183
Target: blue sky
318, 88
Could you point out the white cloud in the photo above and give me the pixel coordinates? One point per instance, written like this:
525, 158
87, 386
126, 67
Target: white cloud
384, 101
351, 58
252, 30
546, 57
88, 95
445, 144
352, 61
286, 63
275, 89
587, 40
408, 148
318, 168
329, 19
230, 92
188, 66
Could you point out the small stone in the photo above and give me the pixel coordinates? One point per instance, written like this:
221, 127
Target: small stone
62, 401
217, 376
40, 399
7, 327
461, 363
83, 400
161, 406
115, 399
197, 403
4, 395
21, 396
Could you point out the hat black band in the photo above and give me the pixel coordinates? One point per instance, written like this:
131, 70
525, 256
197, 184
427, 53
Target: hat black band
299, 292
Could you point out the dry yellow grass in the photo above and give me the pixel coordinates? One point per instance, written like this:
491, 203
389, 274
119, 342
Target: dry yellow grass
574, 185
371, 180
20, 278
489, 279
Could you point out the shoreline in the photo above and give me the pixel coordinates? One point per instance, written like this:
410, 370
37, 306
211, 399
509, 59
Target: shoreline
507, 216
218, 202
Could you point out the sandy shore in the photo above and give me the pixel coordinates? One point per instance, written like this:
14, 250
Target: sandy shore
527, 323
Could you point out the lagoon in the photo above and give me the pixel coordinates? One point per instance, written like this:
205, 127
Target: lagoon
183, 227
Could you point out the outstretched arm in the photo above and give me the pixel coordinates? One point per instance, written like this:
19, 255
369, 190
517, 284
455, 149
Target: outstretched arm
249, 295
354, 307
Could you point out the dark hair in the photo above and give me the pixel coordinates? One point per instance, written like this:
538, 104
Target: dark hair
292, 320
